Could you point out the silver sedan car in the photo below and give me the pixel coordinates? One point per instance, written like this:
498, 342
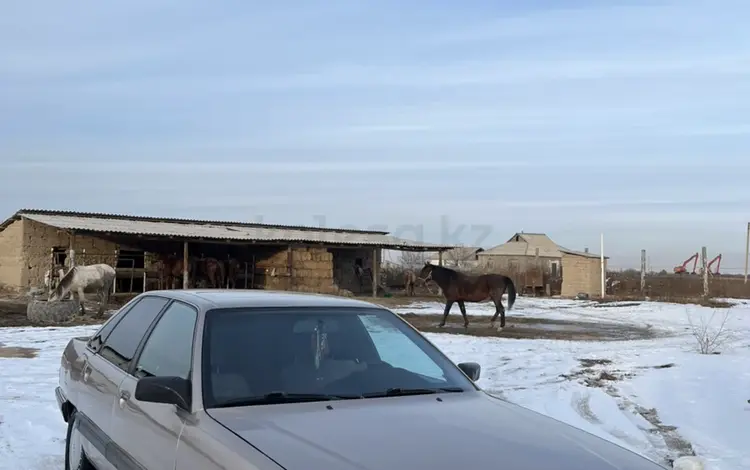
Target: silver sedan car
213, 379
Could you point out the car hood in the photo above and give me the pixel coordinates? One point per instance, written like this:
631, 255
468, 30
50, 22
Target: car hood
447, 431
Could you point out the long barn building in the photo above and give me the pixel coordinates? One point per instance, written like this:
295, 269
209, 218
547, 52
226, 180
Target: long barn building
266, 256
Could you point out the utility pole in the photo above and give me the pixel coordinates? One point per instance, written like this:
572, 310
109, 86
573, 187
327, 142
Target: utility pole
704, 263
747, 249
603, 268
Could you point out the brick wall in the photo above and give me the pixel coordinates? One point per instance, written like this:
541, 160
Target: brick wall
39, 239
11, 256
581, 274
526, 271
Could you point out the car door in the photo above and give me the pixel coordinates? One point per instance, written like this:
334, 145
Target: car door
106, 362
149, 432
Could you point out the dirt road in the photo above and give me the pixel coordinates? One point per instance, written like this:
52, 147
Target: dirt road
13, 314
533, 328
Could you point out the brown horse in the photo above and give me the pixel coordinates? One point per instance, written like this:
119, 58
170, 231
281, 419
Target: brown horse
170, 269
212, 269
410, 280
459, 288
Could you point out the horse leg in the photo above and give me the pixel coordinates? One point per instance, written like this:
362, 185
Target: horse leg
463, 313
100, 301
499, 310
81, 300
105, 299
448, 305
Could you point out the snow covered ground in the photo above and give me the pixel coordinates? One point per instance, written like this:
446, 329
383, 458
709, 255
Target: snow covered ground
653, 396
704, 396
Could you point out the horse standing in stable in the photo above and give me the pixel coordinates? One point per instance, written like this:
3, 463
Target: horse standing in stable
212, 269
170, 269
96, 277
215, 272
458, 288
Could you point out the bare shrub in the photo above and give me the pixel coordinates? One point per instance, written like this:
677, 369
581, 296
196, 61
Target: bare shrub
461, 257
412, 259
711, 334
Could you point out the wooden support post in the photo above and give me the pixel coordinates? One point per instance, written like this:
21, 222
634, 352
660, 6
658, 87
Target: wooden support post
375, 271
747, 249
226, 277
290, 267
440, 257
114, 284
52, 274
185, 265
704, 263
245, 274
643, 271
71, 250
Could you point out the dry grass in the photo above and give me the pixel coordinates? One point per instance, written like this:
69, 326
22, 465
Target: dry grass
670, 287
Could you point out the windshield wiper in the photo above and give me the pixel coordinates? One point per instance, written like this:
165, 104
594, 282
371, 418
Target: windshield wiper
283, 397
400, 392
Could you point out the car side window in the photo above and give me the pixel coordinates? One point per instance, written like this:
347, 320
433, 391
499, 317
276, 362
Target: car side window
169, 349
101, 335
122, 343
398, 350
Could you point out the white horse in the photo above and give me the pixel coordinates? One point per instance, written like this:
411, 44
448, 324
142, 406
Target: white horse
96, 277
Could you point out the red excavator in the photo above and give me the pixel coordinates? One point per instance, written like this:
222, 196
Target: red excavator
716, 260
682, 269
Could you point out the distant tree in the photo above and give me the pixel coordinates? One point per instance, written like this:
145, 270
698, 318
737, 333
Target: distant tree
412, 259
460, 257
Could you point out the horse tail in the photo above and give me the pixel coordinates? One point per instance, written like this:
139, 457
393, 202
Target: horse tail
511, 293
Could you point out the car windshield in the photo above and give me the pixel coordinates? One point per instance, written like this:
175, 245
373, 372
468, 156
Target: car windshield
282, 355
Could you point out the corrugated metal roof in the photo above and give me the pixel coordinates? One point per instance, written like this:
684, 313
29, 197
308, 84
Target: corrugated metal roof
582, 253
526, 244
131, 217
218, 230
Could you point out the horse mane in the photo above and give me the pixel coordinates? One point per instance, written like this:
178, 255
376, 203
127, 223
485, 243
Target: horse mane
64, 283
452, 274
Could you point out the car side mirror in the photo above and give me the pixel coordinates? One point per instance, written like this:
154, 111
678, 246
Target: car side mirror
169, 390
471, 369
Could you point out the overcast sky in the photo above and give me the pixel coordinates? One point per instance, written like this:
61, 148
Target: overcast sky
566, 117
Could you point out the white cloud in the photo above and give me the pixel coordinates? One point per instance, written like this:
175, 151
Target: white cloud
573, 120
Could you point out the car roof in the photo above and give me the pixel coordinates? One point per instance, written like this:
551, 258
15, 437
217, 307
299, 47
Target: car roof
232, 298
